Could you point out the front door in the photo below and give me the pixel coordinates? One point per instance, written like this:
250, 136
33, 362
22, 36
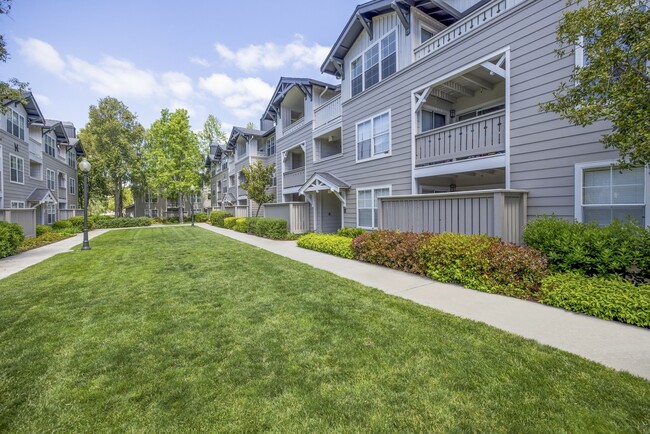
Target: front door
330, 212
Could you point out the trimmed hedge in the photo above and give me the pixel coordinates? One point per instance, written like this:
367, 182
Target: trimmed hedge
241, 224
217, 218
201, 217
350, 232
11, 236
397, 250
267, 227
229, 222
485, 263
61, 224
328, 243
618, 249
610, 298
42, 229
123, 222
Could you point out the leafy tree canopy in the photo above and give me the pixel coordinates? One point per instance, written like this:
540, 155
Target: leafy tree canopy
212, 133
12, 89
257, 180
614, 82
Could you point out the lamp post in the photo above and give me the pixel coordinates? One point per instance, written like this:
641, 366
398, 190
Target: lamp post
192, 204
84, 166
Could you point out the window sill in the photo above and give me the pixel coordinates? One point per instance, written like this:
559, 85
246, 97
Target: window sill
376, 157
331, 157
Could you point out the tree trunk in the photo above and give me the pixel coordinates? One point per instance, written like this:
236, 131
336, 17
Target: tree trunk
259, 207
118, 199
181, 208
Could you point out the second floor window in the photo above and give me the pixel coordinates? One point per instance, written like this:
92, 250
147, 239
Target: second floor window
72, 159
17, 169
16, 124
50, 179
72, 186
50, 145
375, 64
373, 137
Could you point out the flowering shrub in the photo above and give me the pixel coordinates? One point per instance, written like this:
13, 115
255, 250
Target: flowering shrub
328, 243
398, 250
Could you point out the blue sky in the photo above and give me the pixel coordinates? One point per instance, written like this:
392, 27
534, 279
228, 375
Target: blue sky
223, 58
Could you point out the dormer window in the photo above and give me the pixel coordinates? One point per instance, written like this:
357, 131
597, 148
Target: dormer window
50, 145
375, 64
16, 124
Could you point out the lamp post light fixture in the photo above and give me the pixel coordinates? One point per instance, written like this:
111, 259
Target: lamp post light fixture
84, 166
192, 204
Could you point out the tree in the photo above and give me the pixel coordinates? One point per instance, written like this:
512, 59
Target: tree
112, 139
614, 82
211, 133
173, 156
257, 179
251, 126
12, 89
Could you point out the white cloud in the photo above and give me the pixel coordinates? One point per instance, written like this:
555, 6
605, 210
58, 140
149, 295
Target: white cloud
42, 100
178, 84
42, 55
271, 56
246, 97
200, 61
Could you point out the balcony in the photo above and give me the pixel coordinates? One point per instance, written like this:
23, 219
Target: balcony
293, 178
328, 114
35, 151
476, 137
475, 20
294, 126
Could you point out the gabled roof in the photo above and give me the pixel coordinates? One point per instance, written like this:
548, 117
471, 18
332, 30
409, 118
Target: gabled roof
41, 195
285, 84
34, 114
58, 129
238, 132
76, 143
323, 181
361, 19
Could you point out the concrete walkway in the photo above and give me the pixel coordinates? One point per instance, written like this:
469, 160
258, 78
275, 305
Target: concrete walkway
619, 346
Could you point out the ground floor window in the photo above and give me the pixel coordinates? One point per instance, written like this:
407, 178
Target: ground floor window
368, 205
17, 204
605, 193
51, 213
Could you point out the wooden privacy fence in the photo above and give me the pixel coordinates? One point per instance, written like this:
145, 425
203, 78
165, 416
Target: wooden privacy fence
238, 210
25, 217
500, 213
296, 213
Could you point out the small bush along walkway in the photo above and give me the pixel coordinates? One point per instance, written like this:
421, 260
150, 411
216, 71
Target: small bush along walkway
162, 329
578, 267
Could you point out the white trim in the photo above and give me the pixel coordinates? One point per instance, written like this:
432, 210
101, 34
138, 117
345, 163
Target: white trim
363, 61
17, 157
47, 181
471, 165
507, 120
19, 202
371, 188
577, 185
372, 142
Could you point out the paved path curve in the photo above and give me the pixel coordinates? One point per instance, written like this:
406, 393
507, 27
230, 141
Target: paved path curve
619, 346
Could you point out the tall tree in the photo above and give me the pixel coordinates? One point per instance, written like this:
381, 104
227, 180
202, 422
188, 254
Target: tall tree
257, 180
173, 156
112, 138
613, 84
12, 89
212, 133
251, 126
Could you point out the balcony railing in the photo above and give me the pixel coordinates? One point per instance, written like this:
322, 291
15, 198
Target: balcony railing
35, 151
327, 113
463, 27
293, 178
294, 126
477, 137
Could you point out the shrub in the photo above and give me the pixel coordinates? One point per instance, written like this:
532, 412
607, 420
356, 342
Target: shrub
217, 218
609, 298
484, 263
328, 243
103, 217
43, 240
171, 220
350, 232
229, 222
41, 229
398, 250
11, 236
78, 221
61, 224
275, 229
241, 224
618, 249
201, 217
123, 222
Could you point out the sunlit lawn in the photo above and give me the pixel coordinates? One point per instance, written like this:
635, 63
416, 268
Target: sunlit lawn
179, 329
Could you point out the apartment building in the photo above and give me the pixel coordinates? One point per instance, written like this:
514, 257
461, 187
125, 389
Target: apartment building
38, 166
436, 125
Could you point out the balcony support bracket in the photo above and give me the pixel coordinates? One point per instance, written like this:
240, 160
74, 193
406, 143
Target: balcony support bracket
366, 23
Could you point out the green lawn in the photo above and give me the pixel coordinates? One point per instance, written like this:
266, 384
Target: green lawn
179, 329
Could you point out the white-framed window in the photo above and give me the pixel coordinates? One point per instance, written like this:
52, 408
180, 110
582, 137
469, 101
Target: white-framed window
72, 186
62, 180
16, 124
72, 207
50, 145
430, 119
425, 34
17, 204
604, 193
72, 158
51, 213
368, 205
17, 169
373, 137
270, 146
51, 183
376, 63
